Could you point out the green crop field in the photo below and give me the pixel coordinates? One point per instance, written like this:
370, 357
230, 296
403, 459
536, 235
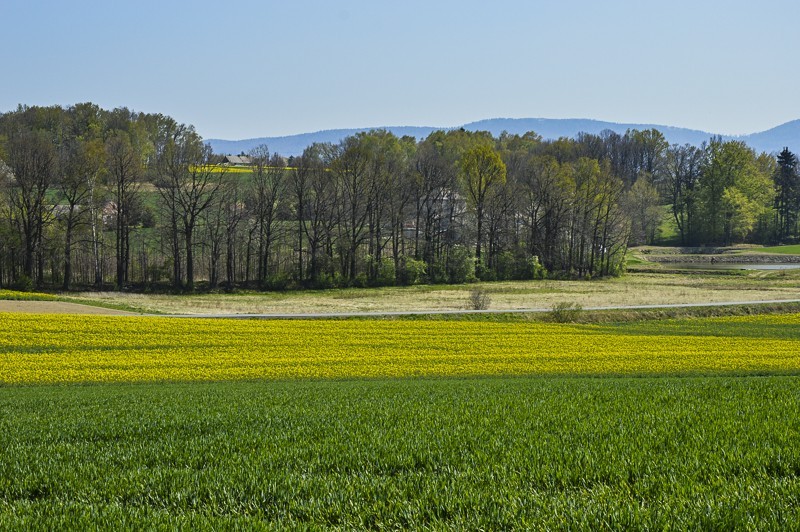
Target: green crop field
783, 250
718, 453
271, 444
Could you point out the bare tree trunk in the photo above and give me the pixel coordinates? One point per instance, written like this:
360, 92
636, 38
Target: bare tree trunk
68, 254
188, 241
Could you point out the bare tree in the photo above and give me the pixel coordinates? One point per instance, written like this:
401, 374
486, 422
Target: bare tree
234, 214
320, 220
433, 181
268, 190
684, 164
545, 200
81, 164
124, 164
32, 160
350, 166
188, 183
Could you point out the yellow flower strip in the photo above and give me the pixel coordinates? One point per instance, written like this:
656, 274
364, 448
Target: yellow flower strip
72, 349
25, 296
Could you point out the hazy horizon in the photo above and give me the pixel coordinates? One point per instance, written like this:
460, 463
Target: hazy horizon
452, 126
248, 69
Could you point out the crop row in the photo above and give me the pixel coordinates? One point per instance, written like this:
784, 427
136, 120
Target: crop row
72, 349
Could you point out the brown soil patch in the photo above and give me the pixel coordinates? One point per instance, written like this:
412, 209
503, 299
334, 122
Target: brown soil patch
57, 307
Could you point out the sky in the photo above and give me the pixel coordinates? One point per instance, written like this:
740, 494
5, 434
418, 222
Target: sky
244, 69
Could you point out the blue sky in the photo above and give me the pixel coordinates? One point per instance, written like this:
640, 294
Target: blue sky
247, 69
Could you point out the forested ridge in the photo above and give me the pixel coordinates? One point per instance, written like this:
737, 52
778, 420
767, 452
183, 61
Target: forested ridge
98, 198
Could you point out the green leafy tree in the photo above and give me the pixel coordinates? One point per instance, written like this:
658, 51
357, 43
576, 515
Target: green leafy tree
684, 165
642, 205
482, 169
735, 191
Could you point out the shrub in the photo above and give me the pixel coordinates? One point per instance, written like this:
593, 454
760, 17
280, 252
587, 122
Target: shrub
518, 267
461, 266
23, 284
565, 312
386, 272
484, 273
536, 269
278, 282
361, 280
438, 273
413, 272
324, 281
479, 299
506, 267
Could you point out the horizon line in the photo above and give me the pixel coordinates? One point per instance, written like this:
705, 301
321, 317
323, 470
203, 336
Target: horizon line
445, 128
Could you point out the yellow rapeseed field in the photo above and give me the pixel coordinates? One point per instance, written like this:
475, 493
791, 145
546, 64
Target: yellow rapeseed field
38, 349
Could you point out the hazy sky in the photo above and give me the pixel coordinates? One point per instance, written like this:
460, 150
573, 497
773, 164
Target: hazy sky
249, 68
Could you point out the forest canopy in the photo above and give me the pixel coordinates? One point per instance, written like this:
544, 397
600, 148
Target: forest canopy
98, 198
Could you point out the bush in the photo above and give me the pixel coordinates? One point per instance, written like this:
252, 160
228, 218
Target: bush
565, 312
324, 281
479, 299
386, 272
484, 273
361, 281
461, 266
413, 272
438, 273
536, 269
509, 266
278, 282
506, 267
23, 284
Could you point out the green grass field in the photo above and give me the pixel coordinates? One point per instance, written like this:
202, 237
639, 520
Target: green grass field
717, 453
783, 250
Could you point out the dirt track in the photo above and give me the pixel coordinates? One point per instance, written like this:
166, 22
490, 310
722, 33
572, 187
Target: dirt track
57, 307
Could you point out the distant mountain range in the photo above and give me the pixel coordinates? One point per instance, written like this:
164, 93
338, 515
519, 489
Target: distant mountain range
772, 140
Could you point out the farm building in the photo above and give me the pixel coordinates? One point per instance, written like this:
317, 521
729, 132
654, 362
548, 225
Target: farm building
236, 160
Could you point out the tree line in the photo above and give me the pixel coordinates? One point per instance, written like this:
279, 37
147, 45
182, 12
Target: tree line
97, 198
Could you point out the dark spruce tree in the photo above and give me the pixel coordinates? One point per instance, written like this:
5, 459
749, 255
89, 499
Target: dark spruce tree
787, 195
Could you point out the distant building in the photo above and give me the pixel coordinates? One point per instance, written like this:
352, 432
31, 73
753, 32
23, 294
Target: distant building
237, 160
109, 213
